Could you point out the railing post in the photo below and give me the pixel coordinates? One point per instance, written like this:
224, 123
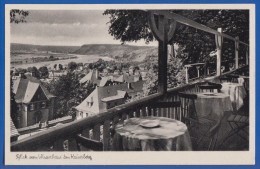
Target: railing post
247, 56
198, 70
172, 51
219, 41
236, 52
187, 74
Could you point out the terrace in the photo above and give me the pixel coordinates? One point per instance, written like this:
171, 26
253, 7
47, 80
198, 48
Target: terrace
98, 131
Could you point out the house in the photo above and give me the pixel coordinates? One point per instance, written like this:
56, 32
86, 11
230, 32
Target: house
107, 97
143, 74
57, 74
35, 103
131, 78
105, 72
125, 70
92, 76
131, 70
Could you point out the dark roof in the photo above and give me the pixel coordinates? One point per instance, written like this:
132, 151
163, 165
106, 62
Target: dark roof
22, 83
14, 131
131, 78
107, 91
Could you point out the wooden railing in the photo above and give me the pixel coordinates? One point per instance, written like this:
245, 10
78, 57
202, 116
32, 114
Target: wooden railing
98, 127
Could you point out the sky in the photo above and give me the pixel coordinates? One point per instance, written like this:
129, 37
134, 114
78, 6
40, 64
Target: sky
65, 28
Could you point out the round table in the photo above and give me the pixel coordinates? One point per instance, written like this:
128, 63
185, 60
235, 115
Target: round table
212, 105
215, 107
237, 93
170, 135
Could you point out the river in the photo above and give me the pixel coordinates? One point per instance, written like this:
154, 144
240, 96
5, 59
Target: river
80, 59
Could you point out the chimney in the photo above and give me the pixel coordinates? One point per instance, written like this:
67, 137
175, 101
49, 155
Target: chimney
97, 74
129, 85
33, 74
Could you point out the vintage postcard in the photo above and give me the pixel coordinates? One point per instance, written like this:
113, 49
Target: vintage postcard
135, 84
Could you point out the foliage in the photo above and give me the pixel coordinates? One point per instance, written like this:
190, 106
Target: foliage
132, 25
72, 66
21, 70
100, 65
18, 16
44, 73
129, 25
176, 72
151, 83
69, 93
60, 67
34, 71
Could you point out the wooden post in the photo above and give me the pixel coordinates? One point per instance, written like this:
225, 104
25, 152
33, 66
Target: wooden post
162, 57
164, 34
236, 52
187, 74
219, 41
247, 56
172, 51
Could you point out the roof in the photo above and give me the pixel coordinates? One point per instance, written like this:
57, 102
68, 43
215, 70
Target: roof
103, 81
30, 91
91, 76
120, 95
131, 78
25, 88
108, 92
86, 78
14, 131
119, 79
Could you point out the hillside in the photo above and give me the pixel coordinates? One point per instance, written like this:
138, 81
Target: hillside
127, 52
123, 52
16, 47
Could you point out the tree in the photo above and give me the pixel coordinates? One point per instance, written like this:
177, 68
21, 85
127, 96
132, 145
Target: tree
44, 73
69, 93
17, 15
55, 66
132, 25
60, 67
72, 66
35, 72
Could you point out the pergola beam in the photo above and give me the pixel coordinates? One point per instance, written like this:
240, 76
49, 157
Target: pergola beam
191, 23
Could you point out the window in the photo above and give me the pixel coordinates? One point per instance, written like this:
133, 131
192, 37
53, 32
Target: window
81, 114
43, 104
32, 106
90, 104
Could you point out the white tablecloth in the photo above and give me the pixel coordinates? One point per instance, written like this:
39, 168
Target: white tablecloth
171, 135
212, 105
244, 80
237, 93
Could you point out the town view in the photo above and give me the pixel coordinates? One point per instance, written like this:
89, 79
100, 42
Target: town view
105, 68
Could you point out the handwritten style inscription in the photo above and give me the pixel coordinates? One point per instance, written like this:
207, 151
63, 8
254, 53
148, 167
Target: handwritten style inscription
53, 156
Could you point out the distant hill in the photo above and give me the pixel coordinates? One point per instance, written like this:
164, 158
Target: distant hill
15, 47
125, 52
128, 52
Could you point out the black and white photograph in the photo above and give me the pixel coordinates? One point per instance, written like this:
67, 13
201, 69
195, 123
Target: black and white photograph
86, 84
